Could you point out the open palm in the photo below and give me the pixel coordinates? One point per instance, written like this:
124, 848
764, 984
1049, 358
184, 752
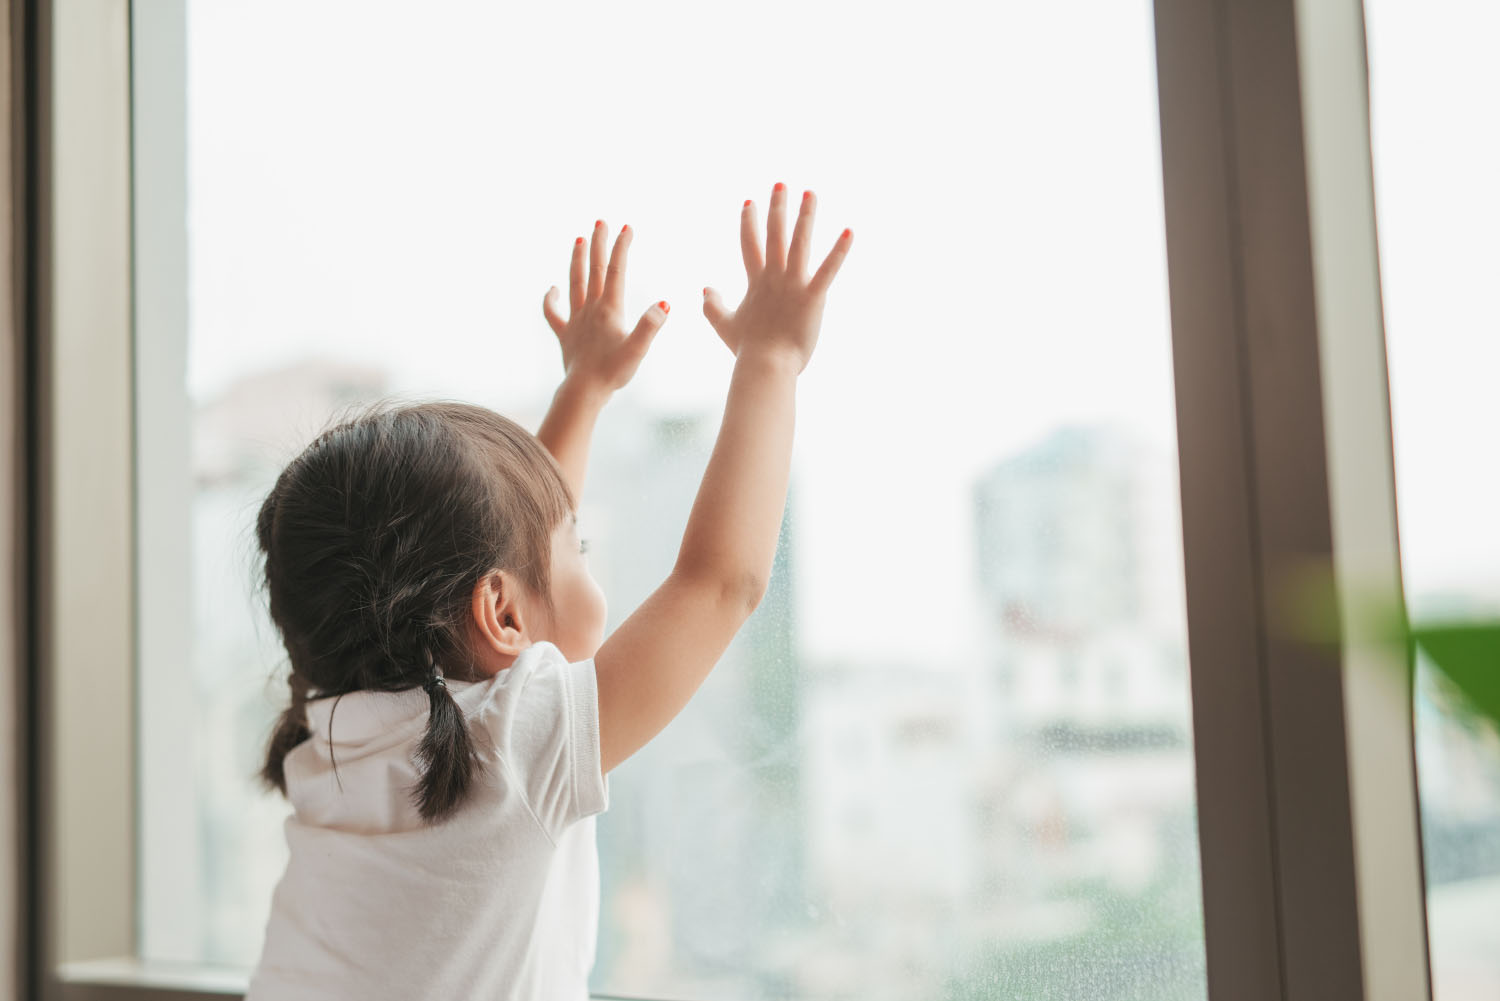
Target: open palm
595, 346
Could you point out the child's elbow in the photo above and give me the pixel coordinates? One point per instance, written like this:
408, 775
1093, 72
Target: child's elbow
753, 591
740, 592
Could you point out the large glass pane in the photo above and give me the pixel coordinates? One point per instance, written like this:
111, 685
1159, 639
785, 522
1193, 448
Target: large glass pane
950, 755
1433, 88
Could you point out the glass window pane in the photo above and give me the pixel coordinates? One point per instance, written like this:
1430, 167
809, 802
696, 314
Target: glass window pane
950, 754
1433, 83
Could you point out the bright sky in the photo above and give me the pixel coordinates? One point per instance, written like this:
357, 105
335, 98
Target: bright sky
1435, 95
375, 185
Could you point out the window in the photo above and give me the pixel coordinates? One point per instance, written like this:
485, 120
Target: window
1061, 856
1437, 209
382, 215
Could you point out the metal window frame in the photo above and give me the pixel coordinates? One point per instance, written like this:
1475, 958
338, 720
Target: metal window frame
1309, 839
1312, 872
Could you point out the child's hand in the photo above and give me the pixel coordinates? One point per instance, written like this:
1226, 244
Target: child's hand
782, 310
597, 353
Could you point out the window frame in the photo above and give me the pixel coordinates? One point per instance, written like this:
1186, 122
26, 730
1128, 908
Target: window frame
1304, 753
1313, 885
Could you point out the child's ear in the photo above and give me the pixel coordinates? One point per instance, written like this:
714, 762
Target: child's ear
503, 624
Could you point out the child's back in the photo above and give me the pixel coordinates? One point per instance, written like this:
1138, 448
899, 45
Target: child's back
499, 900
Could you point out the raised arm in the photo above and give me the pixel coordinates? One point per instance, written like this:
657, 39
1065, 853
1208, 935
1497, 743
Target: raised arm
568, 430
598, 356
652, 664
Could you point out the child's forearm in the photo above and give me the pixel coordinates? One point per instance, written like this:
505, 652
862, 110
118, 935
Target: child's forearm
568, 428
732, 530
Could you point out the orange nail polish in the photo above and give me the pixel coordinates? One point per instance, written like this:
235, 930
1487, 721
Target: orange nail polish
847, 233
598, 223
578, 241
779, 187
806, 195
624, 227
664, 307
747, 203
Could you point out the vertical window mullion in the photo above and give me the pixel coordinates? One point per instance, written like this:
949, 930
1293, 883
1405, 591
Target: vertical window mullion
172, 922
86, 620
1311, 869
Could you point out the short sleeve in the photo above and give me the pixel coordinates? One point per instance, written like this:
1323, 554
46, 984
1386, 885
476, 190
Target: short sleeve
546, 729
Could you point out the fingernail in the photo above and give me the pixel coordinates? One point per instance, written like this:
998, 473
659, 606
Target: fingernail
806, 195
664, 307
598, 223
577, 241
847, 233
705, 291
779, 187
624, 227
747, 203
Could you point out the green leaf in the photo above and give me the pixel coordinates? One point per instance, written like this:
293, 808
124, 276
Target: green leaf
1469, 655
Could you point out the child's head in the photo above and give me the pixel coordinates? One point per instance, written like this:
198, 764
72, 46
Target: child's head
418, 542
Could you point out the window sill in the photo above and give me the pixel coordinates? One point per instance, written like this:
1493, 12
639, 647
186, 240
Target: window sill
127, 979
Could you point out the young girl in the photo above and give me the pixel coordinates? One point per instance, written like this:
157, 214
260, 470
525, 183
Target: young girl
453, 711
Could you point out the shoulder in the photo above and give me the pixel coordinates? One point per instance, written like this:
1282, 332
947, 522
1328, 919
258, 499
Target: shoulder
540, 681
538, 660
544, 722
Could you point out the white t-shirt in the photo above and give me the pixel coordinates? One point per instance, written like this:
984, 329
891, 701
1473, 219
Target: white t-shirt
499, 901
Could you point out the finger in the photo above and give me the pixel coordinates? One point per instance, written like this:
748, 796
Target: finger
796, 255
645, 331
576, 286
750, 240
596, 260
549, 310
713, 308
831, 263
614, 276
776, 228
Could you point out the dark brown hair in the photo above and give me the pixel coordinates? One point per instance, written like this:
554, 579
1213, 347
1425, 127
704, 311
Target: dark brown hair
374, 539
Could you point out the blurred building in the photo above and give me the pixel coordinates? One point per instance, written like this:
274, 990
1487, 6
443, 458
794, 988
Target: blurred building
893, 832
249, 432
1080, 567
960, 813
1080, 533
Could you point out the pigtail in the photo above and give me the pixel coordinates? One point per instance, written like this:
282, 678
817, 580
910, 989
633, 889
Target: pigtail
447, 754
290, 731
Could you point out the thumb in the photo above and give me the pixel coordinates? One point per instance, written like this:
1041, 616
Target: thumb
645, 331
549, 310
713, 308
